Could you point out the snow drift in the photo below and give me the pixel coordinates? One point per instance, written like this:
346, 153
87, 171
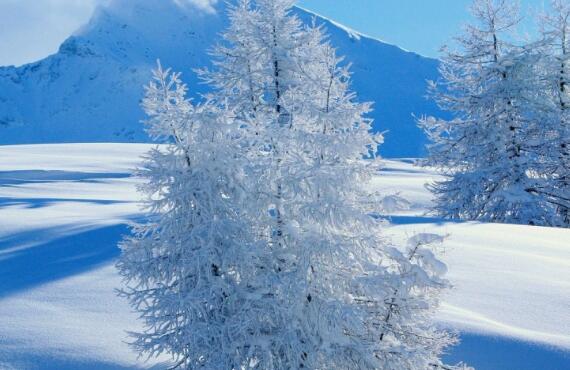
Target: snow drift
63, 208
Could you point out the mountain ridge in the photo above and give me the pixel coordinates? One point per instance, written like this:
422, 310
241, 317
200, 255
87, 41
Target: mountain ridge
89, 91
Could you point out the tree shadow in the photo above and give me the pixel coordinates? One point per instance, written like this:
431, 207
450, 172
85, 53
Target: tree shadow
396, 220
33, 203
390, 169
418, 220
36, 257
491, 353
14, 178
45, 361
43, 255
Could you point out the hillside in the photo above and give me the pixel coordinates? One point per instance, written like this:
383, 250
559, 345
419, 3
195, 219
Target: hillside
63, 208
90, 90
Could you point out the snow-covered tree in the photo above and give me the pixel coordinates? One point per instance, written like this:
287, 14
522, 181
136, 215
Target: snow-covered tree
553, 86
191, 270
262, 253
488, 152
307, 138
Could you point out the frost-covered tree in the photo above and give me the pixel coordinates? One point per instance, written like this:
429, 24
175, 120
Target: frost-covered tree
261, 252
553, 86
488, 152
192, 269
307, 136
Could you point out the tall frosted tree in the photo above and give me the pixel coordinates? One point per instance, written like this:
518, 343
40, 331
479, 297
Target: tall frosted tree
261, 252
490, 151
553, 86
192, 269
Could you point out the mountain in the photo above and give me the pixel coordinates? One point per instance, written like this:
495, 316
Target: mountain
89, 91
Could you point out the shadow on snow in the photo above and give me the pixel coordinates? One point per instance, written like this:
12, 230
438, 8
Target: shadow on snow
485, 352
36, 257
12, 178
33, 203
418, 220
43, 361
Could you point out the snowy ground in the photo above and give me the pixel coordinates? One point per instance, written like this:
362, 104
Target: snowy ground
64, 207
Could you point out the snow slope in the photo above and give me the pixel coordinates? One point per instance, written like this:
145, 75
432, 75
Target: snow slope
90, 90
64, 207
503, 274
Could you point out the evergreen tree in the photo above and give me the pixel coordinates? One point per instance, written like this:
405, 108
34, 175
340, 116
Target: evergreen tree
488, 152
192, 269
262, 253
553, 86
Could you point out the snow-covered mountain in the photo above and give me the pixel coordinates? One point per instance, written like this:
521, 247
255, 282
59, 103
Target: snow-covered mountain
90, 90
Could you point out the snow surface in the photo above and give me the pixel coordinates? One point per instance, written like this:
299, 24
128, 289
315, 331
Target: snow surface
508, 280
90, 90
64, 207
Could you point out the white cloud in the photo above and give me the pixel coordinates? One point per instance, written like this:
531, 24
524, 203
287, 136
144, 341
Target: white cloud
206, 5
32, 29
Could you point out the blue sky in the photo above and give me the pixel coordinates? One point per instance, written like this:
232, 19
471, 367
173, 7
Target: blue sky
422, 26
33, 29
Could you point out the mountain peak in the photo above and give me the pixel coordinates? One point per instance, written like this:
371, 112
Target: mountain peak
196, 6
90, 90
